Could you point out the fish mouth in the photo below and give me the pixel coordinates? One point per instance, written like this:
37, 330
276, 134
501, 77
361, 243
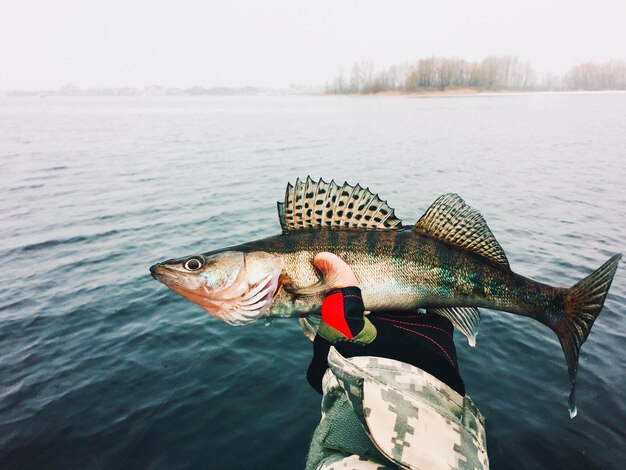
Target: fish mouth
153, 272
160, 273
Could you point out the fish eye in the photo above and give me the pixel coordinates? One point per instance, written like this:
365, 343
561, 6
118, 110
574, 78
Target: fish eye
193, 264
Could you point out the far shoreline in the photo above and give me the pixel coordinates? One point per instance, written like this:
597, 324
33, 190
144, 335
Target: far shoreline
464, 92
426, 93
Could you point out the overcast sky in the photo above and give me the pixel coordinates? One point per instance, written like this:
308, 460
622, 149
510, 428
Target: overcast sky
46, 44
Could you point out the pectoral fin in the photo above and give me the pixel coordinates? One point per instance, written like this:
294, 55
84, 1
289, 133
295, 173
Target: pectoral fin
323, 285
310, 324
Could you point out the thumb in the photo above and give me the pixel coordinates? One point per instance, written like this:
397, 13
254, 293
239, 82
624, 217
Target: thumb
335, 269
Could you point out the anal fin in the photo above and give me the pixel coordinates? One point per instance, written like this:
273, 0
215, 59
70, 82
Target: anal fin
466, 320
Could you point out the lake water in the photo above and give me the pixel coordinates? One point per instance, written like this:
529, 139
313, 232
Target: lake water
103, 367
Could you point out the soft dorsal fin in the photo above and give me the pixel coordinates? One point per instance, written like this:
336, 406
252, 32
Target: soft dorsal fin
321, 205
451, 220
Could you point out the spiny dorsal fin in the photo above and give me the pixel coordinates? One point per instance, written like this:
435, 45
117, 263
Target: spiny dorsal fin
451, 220
320, 205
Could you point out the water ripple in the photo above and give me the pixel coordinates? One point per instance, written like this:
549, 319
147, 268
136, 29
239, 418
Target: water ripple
106, 368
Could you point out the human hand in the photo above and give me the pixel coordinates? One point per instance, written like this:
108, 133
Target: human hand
342, 309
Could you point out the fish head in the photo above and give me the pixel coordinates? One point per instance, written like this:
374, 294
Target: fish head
234, 286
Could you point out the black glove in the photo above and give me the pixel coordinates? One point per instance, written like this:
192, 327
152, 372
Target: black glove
343, 317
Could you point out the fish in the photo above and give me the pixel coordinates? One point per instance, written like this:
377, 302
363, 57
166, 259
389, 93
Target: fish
448, 263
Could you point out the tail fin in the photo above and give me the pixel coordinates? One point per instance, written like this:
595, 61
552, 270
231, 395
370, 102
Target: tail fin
583, 303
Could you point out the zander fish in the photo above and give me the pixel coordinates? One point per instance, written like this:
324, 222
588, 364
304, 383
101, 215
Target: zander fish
449, 263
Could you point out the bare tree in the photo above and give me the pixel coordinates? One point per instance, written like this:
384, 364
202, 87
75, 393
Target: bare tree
492, 73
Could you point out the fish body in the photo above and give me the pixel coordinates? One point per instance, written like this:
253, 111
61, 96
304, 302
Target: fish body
404, 270
449, 263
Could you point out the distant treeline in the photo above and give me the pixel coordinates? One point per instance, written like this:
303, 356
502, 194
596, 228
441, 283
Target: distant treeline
491, 74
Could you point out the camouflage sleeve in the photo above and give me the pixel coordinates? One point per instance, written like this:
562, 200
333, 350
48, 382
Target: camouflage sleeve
382, 413
354, 462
